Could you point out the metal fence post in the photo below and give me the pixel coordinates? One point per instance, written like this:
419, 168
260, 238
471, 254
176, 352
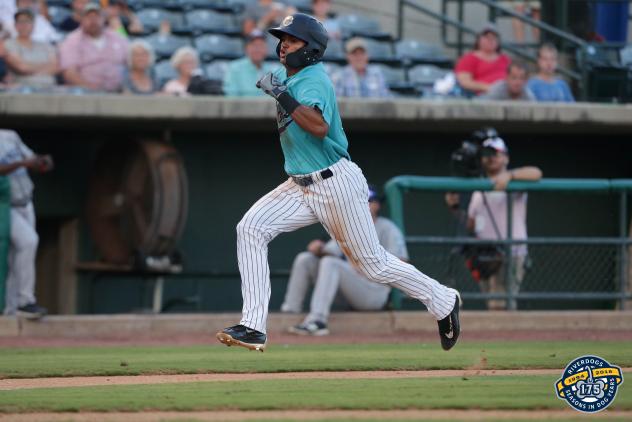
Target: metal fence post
509, 270
623, 248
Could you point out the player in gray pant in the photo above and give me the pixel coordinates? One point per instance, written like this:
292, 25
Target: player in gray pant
324, 265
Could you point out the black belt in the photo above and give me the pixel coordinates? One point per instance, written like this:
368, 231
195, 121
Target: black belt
308, 180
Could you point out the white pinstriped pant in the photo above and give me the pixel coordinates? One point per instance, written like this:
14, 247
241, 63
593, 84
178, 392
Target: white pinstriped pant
339, 204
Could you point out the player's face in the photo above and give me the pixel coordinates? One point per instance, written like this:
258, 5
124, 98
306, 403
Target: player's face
374, 208
289, 44
547, 61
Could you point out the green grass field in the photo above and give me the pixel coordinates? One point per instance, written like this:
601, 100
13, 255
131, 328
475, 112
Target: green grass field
32, 363
481, 392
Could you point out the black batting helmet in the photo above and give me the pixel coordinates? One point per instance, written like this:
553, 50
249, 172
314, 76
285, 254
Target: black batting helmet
307, 29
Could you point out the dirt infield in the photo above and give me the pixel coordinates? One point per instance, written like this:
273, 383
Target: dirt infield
15, 384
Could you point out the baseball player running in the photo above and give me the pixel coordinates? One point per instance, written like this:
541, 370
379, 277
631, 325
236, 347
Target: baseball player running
324, 186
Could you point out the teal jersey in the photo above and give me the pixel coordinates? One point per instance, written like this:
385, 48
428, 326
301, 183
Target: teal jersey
303, 152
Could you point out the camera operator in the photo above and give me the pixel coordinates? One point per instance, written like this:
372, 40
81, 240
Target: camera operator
486, 218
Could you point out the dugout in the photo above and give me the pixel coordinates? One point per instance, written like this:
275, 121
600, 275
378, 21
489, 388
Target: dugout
231, 155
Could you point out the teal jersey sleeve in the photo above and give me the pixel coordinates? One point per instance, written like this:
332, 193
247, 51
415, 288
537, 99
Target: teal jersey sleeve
314, 94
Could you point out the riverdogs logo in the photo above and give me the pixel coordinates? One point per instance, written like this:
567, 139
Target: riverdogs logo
589, 384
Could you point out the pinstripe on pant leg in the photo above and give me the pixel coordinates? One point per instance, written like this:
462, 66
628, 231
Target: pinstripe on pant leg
281, 210
340, 203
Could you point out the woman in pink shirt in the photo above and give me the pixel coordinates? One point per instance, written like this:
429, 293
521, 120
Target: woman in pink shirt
477, 70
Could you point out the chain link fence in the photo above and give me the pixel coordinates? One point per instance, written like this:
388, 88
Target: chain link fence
571, 263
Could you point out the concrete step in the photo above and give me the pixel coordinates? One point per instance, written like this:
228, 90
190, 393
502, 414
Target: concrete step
97, 326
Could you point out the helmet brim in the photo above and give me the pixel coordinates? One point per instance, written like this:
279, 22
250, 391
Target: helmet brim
279, 32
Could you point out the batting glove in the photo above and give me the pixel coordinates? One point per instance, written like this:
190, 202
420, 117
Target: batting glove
271, 86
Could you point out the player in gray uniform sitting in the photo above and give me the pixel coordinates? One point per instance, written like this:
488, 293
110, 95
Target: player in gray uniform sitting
324, 265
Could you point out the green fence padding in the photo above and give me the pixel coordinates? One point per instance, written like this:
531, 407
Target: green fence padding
5, 230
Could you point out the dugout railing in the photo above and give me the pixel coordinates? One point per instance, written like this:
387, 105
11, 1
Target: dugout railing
589, 262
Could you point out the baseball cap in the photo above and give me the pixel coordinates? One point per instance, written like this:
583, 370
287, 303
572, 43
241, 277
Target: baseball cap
496, 143
489, 27
355, 43
373, 195
26, 12
91, 7
255, 34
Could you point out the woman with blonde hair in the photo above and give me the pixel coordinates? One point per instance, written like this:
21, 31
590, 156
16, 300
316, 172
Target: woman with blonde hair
138, 77
185, 61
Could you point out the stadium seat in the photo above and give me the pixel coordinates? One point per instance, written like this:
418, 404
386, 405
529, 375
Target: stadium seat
392, 75
159, 4
209, 21
151, 19
216, 69
334, 51
625, 56
239, 5
413, 51
58, 14
380, 51
164, 72
304, 6
219, 5
213, 46
423, 77
360, 25
59, 3
165, 45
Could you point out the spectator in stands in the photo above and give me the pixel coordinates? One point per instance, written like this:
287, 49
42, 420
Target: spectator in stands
31, 63
93, 57
122, 20
7, 12
265, 14
514, 87
15, 161
477, 70
324, 265
359, 78
486, 218
242, 75
530, 9
321, 11
3, 64
43, 30
138, 77
185, 61
545, 85
73, 21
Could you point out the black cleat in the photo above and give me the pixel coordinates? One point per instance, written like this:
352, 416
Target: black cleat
31, 311
240, 335
449, 327
316, 328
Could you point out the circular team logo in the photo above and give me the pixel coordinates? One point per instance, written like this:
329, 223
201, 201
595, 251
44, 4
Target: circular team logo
589, 384
287, 21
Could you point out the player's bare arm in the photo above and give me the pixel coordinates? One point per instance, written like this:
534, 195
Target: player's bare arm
311, 120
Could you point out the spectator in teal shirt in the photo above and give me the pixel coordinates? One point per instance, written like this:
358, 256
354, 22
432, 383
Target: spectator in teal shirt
545, 85
242, 75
